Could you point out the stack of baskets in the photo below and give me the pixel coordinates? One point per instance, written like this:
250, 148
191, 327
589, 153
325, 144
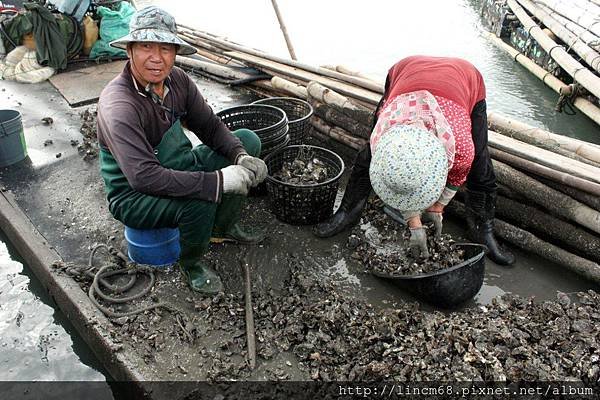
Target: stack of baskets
298, 113
303, 204
283, 124
268, 122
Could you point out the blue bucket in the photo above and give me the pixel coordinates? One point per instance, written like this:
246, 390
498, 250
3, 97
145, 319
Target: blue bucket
12, 139
156, 247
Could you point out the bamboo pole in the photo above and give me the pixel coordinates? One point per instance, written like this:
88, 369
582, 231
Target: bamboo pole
531, 243
289, 87
584, 16
554, 201
211, 68
262, 92
553, 229
219, 59
588, 199
342, 69
338, 118
362, 83
288, 42
341, 103
588, 54
579, 73
544, 157
250, 331
338, 134
537, 136
199, 43
588, 37
304, 75
583, 105
550, 173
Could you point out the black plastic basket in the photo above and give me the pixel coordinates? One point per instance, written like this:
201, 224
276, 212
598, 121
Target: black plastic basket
303, 204
268, 148
298, 113
268, 122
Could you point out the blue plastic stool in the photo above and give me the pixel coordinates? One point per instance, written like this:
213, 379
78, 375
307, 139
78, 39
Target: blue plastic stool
156, 247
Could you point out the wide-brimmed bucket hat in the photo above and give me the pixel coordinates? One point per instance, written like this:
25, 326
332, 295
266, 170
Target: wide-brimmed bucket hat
153, 24
409, 168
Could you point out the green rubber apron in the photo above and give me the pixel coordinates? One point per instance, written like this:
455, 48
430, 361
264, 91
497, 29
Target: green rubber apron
142, 211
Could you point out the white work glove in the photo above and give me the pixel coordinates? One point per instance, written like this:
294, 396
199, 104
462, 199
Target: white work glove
254, 165
236, 179
418, 243
436, 218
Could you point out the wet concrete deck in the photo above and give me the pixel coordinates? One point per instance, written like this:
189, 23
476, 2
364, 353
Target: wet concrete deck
63, 197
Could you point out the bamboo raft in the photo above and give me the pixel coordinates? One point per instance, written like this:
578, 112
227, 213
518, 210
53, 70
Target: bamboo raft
559, 43
549, 202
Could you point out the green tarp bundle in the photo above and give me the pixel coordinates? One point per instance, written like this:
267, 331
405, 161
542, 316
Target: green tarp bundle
56, 38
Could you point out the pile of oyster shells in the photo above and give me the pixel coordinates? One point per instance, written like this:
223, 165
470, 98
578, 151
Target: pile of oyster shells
382, 245
337, 336
304, 170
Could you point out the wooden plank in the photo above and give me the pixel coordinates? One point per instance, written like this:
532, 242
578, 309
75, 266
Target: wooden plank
83, 86
544, 157
346, 89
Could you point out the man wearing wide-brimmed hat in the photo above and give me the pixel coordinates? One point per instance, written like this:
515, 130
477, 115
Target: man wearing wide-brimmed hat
153, 176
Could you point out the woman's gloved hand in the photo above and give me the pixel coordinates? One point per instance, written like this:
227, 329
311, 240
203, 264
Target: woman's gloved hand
254, 165
434, 214
236, 179
418, 242
436, 218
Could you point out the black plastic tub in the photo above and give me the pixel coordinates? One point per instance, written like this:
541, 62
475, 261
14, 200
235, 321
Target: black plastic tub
450, 287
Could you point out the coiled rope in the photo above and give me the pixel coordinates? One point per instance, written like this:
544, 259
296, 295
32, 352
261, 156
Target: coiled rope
109, 271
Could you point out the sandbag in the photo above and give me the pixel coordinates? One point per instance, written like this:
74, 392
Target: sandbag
21, 65
114, 24
90, 34
29, 71
28, 41
7, 67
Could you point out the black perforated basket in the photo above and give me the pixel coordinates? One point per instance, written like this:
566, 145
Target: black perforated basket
268, 122
298, 113
269, 148
298, 204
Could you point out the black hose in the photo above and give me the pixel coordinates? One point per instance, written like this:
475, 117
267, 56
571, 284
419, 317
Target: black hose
250, 79
3, 32
230, 82
73, 47
97, 60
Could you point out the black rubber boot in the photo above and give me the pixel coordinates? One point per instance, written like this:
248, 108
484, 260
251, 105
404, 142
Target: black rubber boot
353, 202
481, 209
238, 234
